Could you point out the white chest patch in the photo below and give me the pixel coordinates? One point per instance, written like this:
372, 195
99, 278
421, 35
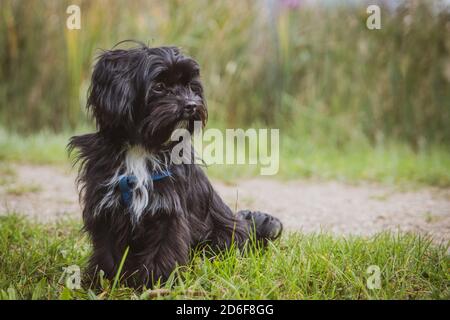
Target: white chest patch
136, 163
139, 163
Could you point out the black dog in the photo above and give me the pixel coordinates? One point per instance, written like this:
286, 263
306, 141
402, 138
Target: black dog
132, 194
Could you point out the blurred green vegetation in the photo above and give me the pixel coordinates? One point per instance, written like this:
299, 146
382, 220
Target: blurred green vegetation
390, 163
332, 86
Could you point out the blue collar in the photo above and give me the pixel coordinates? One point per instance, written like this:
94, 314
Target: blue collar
127, 184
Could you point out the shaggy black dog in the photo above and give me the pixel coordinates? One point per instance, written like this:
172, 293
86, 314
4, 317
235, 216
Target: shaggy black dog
132, 194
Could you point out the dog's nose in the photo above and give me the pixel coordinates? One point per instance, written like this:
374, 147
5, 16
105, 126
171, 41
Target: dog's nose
190, 107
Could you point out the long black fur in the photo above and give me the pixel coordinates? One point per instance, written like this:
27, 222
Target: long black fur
137, 97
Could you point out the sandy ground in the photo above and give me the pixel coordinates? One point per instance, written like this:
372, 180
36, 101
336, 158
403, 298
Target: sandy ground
48, 193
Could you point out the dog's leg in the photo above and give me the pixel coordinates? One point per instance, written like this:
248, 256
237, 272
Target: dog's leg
109, 234
228, 228
159, 249
225, 228
102, 258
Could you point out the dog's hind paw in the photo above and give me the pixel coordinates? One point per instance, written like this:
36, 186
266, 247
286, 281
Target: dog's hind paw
266, 226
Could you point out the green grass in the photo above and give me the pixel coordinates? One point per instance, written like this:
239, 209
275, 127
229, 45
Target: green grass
40, 148
21, 189
316, 266
307, 157
394, 163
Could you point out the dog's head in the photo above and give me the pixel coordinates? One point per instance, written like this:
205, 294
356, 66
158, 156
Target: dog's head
143, 94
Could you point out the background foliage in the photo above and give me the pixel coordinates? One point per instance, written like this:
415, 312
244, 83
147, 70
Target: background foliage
312, 70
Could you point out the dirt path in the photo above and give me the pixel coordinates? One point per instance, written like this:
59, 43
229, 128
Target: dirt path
48, 192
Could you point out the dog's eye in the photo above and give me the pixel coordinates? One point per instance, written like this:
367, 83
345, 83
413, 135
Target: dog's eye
159, 87
194, 87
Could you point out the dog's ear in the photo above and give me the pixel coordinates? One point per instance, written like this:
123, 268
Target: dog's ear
112, 91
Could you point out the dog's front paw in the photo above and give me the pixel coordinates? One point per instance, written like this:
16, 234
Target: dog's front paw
266, 226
